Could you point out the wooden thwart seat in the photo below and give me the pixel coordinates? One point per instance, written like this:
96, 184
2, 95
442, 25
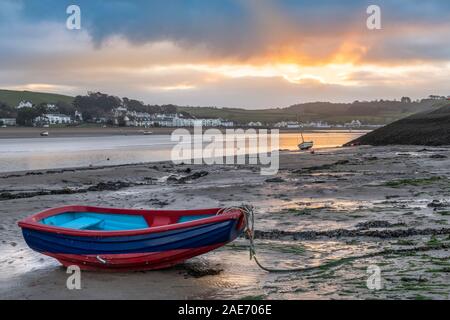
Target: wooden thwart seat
81, 223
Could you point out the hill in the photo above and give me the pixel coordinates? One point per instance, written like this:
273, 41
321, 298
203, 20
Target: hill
373, 112
430, 128
12, 97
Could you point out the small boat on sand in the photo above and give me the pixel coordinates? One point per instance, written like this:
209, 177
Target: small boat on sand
305, 145
96, 238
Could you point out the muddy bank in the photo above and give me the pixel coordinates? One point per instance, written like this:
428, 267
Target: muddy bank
387, 204
431, 128
345, 233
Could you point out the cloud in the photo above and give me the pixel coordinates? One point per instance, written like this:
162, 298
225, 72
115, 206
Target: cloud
247, 53
298, 30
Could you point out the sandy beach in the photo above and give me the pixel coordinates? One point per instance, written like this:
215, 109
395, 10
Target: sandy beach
331, 205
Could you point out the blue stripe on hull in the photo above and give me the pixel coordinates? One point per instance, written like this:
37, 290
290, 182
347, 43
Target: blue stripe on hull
193, 237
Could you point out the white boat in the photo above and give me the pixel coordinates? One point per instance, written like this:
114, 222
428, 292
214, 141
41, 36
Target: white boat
147, 133
44, 134
305, 145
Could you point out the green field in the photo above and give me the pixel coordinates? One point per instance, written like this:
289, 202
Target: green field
12, 98
241, 115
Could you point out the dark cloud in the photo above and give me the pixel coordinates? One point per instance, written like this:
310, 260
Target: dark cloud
240, 28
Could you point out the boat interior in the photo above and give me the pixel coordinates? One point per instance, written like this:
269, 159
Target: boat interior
115, 222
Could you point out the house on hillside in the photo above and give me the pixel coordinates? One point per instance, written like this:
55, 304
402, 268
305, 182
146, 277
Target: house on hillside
254, 124
24, 104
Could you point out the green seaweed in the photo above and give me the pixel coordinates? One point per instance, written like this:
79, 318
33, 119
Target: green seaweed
255, 297
405, 242
412, 182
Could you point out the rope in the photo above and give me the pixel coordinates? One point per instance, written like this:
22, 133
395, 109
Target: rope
249, 219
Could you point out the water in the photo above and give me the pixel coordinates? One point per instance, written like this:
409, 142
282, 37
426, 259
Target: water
51, 153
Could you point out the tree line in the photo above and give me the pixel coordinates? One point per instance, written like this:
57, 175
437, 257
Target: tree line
93, 106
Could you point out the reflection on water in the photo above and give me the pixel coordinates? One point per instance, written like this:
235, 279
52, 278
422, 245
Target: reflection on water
50, 153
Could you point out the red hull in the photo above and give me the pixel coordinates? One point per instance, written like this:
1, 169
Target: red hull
131, 262
165, 242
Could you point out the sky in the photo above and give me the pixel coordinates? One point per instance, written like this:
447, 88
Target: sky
228, 53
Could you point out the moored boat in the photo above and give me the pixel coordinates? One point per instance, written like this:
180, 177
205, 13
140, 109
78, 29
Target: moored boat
305, 145
96, 238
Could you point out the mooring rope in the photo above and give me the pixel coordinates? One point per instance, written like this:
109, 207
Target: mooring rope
249, 231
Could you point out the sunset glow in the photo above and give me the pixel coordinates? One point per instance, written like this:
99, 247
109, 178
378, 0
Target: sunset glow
250, 54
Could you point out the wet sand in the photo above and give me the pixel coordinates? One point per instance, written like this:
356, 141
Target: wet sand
335, 204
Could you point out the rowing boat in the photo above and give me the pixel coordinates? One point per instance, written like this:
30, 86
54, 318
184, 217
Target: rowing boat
111, 239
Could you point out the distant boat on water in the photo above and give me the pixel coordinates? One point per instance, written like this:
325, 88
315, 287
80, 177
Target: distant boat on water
44, 134
305, 145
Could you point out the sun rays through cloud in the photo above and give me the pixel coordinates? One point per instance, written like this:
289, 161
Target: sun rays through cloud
249, 53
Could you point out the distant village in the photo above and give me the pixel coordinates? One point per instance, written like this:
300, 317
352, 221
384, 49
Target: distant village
121, 116
118, 113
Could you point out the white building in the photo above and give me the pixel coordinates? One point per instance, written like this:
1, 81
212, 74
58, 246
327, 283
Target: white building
292, 125
227, 123
7, 122
211, 122
354, 124
255, 124
53, 118
24, 104
78, 116
281, 124
318, 124
183, 122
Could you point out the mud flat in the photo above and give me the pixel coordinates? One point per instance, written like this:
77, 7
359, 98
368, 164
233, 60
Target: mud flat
387, 203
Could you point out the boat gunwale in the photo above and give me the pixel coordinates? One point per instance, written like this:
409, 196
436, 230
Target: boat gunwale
32, 222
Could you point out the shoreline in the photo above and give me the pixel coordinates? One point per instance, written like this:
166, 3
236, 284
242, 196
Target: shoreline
28, 132
328, 206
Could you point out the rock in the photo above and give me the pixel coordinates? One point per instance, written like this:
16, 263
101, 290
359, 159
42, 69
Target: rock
275, 180
202, 269
159, 203
438, 156
376, 224
109, 186
194, 176
438, 204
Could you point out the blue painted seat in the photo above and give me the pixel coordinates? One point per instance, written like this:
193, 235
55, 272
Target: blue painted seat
81, 223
